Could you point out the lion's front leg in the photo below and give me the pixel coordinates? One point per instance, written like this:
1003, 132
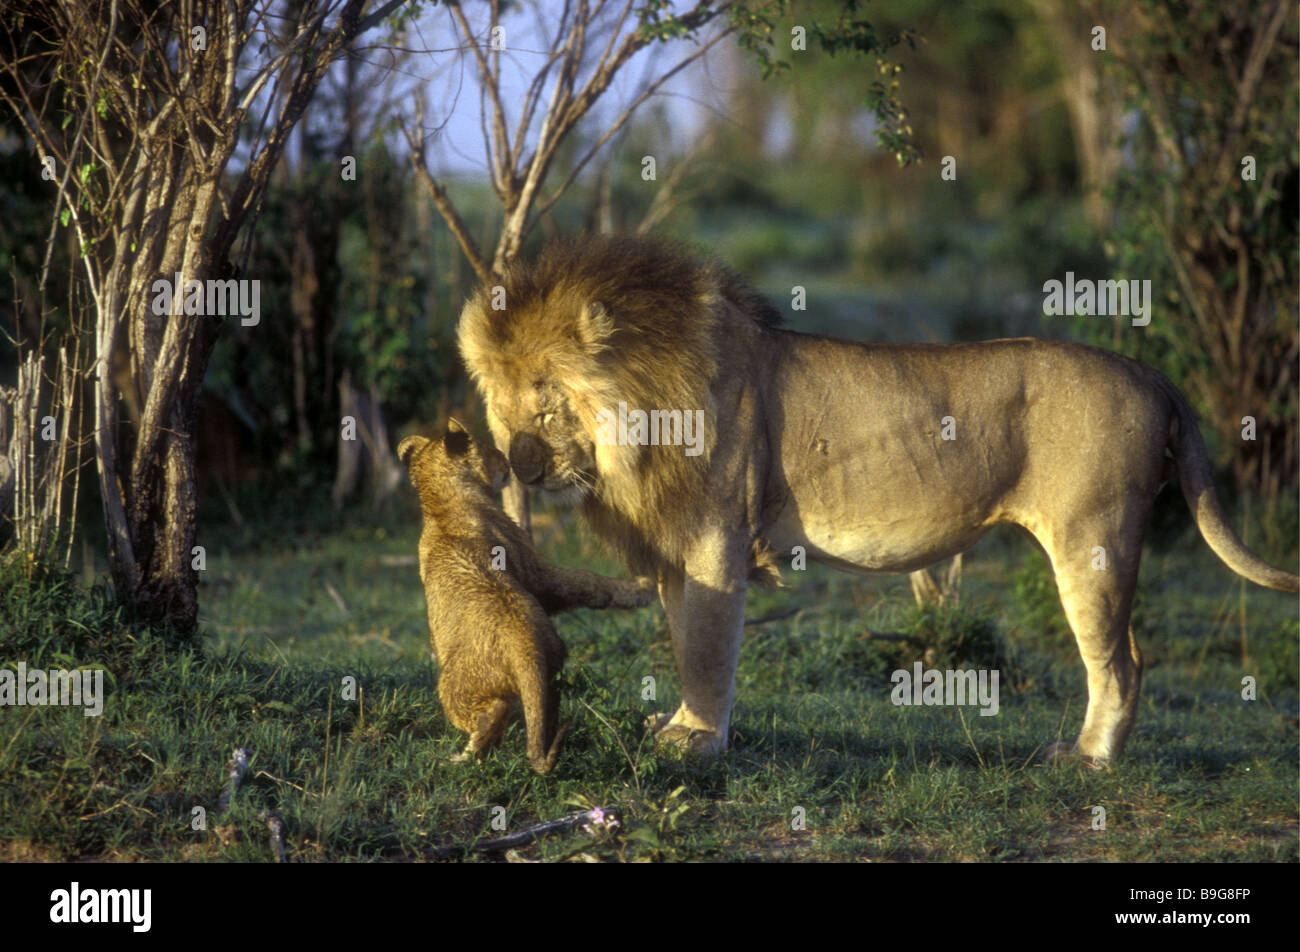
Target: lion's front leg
705, 606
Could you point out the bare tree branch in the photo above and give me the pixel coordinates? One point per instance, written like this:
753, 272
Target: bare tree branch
442, 201
618, 124
490, 80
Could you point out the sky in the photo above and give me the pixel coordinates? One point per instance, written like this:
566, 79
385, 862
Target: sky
452, 110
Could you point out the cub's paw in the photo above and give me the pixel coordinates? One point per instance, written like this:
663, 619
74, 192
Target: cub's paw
634, 593
472, 751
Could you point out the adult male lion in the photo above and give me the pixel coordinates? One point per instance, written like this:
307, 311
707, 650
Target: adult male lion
835, 446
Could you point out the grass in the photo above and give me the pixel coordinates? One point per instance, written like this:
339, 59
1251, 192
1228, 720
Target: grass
822, 766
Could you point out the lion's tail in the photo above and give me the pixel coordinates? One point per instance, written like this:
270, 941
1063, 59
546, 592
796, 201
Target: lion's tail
1188, 447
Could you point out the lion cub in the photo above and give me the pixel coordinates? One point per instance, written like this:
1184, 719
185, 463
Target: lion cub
488, 595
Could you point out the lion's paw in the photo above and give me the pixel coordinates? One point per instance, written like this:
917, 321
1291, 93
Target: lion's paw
657, 722
1062, 753
692, 740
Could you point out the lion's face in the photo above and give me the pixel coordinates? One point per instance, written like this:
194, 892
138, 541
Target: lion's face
542, 382
538, 419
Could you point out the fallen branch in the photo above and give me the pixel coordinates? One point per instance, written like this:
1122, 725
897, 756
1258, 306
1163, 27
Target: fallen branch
236, 767
276, 827
236, 770
598, 816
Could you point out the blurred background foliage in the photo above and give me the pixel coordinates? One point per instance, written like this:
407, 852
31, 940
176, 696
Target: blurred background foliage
1123, 162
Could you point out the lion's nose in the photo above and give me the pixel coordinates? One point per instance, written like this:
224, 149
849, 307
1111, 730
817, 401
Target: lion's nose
528, 456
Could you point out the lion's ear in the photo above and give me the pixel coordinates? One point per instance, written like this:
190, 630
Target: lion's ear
407, 449
454, 426
595, 324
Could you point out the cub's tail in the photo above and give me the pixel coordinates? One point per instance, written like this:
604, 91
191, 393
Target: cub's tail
1188, 447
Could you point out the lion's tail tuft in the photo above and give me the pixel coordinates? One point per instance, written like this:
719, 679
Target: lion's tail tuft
764, 570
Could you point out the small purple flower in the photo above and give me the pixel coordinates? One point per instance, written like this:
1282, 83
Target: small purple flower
600, 820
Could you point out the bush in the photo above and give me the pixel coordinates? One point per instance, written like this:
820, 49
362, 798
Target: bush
48, 620
941, 636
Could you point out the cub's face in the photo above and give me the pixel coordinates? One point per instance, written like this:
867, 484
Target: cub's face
537, 419
457, 463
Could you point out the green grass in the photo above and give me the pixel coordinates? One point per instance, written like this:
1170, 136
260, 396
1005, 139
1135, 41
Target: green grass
290, 613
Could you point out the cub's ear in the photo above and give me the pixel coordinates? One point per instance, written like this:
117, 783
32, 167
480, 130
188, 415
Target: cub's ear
407, 449
595, 324
456, 442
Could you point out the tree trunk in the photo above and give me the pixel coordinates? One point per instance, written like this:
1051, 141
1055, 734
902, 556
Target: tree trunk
156, 122
368, 456
1090, 98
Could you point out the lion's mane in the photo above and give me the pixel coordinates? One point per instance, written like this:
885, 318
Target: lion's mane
618, 320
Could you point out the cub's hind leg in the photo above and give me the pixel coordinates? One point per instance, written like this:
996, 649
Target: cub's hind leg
486, 725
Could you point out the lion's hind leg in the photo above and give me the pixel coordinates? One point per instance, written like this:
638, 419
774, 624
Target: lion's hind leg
1096, 567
